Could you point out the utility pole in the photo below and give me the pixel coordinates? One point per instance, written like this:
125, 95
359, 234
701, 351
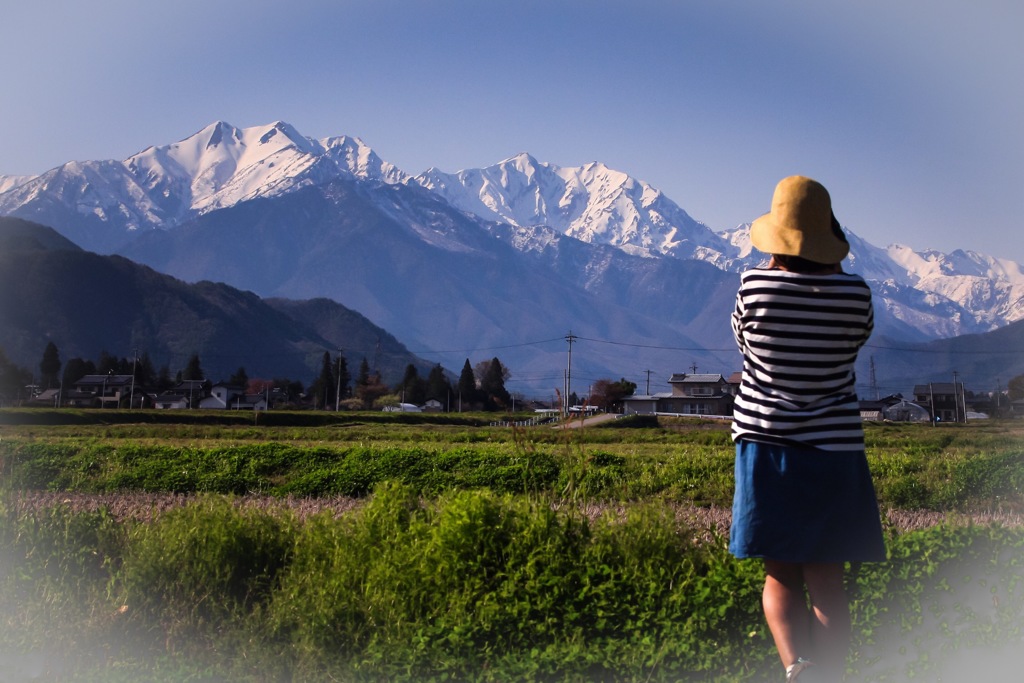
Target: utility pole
648, 383
956, 401
568, 372
131, 395
693, 368
874, 381
337, 391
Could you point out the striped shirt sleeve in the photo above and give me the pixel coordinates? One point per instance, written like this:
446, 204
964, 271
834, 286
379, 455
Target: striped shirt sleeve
799, 336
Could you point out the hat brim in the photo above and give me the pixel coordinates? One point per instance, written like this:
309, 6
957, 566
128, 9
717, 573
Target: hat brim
768, 236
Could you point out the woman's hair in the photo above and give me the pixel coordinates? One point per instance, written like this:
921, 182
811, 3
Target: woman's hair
798, 264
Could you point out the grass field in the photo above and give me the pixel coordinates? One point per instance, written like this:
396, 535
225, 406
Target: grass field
367, 547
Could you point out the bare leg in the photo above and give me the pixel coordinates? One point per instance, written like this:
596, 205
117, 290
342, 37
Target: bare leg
785, 610
830, 619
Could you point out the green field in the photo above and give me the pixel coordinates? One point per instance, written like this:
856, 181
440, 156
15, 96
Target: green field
145, 545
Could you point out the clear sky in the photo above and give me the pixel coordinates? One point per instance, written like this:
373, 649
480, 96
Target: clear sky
909, 111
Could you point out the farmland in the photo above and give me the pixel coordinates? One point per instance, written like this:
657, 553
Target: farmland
369, 547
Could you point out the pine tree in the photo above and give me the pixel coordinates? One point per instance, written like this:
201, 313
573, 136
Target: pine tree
363, 378
77, 368
13, 380
438, 387
323, 387
413, 389
467, 386
49, 367
193, 369
108, 364
492, 386
343, 378
240, 378
145, 375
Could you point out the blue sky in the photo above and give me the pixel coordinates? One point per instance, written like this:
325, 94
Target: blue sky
910, 112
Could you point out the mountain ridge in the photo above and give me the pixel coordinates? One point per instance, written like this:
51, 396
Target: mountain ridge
87, 303
586, 249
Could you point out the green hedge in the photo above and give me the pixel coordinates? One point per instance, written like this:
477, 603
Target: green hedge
472, 586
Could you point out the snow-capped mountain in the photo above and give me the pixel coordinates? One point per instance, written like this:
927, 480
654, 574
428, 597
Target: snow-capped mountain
939, 294
592, 203
602, 230
103, 203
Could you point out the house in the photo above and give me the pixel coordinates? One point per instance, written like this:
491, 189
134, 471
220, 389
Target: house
643, 404
945, 401
433, 406
699, 394
692, 394
170, 400
227, 397
104, 391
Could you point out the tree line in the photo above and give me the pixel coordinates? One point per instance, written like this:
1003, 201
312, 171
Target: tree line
478, 387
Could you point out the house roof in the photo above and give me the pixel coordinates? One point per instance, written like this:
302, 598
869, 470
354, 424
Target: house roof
703, 378
938, 388
100, 380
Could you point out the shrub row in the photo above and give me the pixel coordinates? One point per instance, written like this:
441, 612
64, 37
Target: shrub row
473, 586
954, 480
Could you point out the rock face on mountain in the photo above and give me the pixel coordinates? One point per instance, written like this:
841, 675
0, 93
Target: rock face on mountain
505, 260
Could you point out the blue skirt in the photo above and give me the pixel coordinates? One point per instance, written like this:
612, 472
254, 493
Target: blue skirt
801, 504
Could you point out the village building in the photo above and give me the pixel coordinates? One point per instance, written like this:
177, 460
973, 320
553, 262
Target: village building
228, 397
709, 394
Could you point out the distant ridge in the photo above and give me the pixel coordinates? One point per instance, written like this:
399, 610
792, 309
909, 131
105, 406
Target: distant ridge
457, 265
50, 290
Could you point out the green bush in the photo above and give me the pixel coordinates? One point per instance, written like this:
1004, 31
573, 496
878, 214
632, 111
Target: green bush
201, 566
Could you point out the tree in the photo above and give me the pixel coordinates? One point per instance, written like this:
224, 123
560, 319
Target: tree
193, 369
163, 380
107, 364
607, 395
77, 368
438, 387
413, 388
363, 378
372, 390
49, 367
145, 375
467, 386
342, 376
492, 387
240, 378
1015, 388
13, 380
323, 386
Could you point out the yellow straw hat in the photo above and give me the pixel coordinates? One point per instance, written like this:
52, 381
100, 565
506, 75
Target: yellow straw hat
800, 223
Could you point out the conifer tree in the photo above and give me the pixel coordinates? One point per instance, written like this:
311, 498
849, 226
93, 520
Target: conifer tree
342, 377
413, 389
467, 386
492, 387
240, 378
323, 387
49, 367
77, 368
193, 369
438, 387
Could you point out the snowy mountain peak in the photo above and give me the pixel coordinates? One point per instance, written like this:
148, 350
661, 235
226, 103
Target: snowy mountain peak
593, 203
354, 156
100, 204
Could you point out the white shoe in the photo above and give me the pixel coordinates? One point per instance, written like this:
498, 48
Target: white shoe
794, 669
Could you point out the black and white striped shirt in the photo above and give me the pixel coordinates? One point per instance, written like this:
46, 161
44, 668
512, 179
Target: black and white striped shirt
799, 336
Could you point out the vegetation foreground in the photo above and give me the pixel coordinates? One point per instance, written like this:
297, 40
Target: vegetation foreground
361, 547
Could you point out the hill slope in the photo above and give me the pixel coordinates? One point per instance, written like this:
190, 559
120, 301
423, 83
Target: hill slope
50, 290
